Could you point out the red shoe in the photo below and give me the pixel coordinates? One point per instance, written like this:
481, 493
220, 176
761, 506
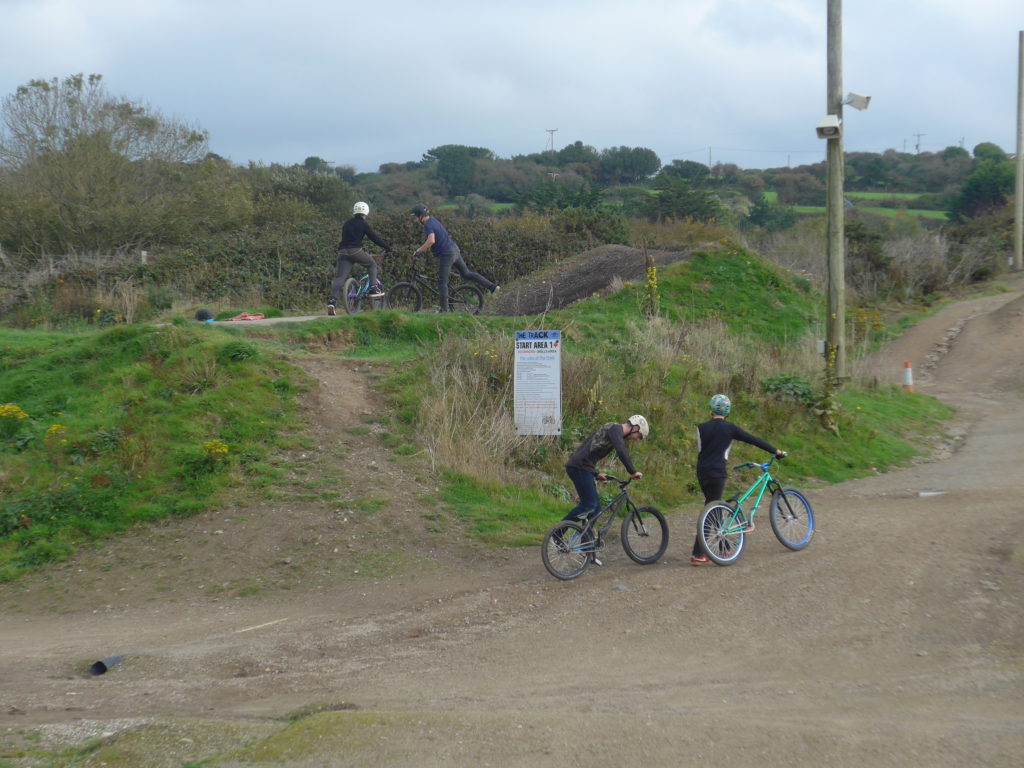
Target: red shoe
700, 560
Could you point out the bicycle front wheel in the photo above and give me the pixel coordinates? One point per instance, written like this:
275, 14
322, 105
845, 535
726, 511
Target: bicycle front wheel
644, 535
466, 298
564, 552
720, 534
792, 519
405, 296
351, 297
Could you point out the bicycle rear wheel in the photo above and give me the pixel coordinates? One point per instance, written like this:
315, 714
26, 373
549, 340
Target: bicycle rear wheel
466, 298
350, 296
405, 296
792, 519
564, 552
719, 534
644, 535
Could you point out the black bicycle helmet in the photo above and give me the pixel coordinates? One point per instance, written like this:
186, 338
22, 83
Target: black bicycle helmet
419, 211
204, 315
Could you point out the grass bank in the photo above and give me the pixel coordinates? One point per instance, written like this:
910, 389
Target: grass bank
102, 429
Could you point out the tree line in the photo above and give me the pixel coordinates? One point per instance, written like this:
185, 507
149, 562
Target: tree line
85, 172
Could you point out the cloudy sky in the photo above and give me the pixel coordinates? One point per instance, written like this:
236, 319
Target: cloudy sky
366, 83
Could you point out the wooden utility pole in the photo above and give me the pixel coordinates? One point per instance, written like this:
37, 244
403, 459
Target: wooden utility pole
1018, 203
836, 320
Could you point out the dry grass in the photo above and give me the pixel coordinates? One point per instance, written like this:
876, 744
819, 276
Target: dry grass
467, 417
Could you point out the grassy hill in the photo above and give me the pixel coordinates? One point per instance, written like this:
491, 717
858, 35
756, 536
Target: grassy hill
106, 428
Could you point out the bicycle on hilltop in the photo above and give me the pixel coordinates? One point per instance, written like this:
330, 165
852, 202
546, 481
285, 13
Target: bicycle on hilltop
408, 294
723, 526
570, 546
357, 293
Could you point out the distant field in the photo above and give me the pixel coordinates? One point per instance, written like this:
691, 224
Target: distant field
919, 212
493, 207
773, 197
888, 212
922, 213
885, 195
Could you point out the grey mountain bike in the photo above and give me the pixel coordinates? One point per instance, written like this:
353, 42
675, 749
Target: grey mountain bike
408, 295
571, 546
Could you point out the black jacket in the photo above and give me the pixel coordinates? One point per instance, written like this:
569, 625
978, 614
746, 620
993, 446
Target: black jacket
714, 439
354, 230
598, 445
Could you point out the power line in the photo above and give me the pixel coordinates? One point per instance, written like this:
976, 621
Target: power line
551, 144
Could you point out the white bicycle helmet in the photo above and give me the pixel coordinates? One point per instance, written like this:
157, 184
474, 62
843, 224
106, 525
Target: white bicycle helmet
362, 208
639, 421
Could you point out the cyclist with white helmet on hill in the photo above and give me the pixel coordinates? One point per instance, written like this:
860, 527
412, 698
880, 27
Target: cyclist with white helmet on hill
714, 439
582, 465
350, 251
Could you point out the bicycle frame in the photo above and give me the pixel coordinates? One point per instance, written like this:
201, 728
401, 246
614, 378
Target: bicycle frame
764, 483
364, 286
610, 512
428, 282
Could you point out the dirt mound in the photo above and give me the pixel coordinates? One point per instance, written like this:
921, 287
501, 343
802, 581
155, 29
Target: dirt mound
577, 278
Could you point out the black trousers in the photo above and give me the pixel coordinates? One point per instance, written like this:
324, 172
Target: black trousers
712, 488
445, 263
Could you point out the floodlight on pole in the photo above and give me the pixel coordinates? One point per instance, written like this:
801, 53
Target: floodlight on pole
857, 101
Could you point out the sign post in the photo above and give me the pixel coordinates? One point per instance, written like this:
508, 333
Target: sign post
538, 383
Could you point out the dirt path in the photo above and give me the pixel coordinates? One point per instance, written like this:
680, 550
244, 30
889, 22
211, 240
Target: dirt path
894, 640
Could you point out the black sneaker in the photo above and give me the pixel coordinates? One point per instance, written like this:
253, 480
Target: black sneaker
495, 289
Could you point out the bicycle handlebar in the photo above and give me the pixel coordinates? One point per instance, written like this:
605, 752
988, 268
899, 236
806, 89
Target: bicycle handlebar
759, 465
613, 478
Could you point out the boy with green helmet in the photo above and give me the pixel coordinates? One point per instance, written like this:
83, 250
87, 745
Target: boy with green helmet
714, 439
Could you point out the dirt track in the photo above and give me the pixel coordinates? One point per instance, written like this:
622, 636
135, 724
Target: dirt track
895, 639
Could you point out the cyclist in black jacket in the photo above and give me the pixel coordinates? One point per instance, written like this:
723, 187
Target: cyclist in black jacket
582, 465
714, 439
350, 251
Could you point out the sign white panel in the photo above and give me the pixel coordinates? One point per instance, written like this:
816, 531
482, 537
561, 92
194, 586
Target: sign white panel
538, 383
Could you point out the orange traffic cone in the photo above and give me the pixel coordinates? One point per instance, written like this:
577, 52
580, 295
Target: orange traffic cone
908, 377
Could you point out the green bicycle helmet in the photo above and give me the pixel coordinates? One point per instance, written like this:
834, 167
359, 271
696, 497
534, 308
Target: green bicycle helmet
720, 405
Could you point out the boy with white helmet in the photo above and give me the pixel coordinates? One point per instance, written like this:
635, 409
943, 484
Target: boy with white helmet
714, 439
350, 251
582, 465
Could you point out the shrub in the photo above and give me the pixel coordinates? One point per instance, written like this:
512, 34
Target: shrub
792, 388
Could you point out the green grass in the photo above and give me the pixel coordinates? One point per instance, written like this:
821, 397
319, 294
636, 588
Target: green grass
922, 213
146, 413
885, 195
128, 424
509, 515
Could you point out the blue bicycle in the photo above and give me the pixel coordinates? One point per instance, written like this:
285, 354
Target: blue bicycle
722, 527
356, 294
